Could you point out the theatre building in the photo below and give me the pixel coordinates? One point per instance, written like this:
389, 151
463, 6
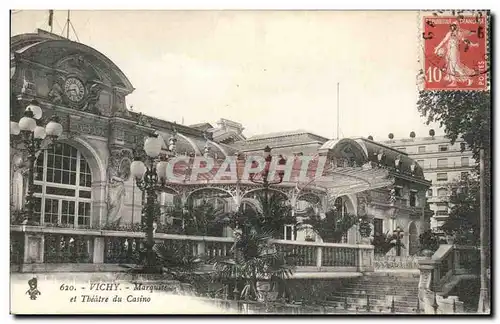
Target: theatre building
86, 202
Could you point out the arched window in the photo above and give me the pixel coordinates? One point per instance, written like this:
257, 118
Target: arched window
63, 193
341, 211
340, 206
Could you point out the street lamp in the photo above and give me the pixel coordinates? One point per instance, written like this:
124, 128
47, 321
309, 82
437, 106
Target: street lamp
150, 176
32, 136
397, 232
265, 181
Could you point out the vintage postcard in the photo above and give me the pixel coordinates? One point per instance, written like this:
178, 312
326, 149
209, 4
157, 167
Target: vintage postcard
250, 162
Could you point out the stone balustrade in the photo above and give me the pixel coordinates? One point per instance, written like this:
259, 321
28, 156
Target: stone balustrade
50, 248
439, 274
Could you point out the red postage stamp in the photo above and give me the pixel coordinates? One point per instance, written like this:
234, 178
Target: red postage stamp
455, 53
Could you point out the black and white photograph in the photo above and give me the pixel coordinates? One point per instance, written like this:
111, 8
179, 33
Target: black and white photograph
250, 162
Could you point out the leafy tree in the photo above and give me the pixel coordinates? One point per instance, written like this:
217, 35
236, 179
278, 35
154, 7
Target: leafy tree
333, 226
272, 214
463, 114
383, 243
463, 220
467, 115
253, 256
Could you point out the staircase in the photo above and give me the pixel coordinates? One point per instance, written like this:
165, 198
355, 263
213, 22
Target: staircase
375, 292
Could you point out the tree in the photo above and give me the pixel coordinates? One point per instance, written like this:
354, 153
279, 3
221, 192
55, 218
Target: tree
333, 226
463, 114
466, 115
253, 255
254, 258
383, 243
463, 219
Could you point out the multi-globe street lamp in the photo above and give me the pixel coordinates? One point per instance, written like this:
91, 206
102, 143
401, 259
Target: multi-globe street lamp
32, 136
397, 232
150, 173
265, 174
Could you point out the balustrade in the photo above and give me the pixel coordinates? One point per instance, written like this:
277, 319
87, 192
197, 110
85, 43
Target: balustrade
119, 247
67, 248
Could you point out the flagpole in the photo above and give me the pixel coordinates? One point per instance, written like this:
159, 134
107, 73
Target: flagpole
338, 110
67, 22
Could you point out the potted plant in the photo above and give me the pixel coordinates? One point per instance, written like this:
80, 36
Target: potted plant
429, 243
365, 229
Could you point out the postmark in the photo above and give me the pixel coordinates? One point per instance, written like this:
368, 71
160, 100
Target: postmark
455, 55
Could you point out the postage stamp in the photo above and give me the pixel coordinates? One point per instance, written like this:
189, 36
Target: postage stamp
455, 52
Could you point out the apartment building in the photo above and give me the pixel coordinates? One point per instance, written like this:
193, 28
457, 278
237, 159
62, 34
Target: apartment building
443, 163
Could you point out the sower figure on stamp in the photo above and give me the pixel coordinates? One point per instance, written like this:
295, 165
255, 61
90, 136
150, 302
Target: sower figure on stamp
449, 49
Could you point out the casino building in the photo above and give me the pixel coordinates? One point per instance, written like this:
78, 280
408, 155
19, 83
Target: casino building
83, 184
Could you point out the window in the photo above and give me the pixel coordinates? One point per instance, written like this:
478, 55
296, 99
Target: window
442, 163
442, 206
442, 192
402, 149
398, 191
441, 213
443, 148
378, 226
421, 149
413, 198
429, 193
464, 161
289, 232
464, 175
442, 177
62, 187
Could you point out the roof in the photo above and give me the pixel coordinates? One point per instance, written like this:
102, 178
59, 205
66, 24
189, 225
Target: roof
281, 134
48, 49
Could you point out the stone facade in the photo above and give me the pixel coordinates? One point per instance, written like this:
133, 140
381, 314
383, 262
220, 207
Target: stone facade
88, 93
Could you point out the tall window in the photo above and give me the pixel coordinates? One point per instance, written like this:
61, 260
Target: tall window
378, 226
341, 211
62, 187
413, 198
421, 149
464, 161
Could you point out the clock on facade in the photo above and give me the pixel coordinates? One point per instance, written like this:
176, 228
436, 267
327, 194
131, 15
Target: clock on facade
74, 89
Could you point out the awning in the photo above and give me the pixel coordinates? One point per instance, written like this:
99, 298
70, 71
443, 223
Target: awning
336, 181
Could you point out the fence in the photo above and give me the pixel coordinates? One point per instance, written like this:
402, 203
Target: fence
48, 245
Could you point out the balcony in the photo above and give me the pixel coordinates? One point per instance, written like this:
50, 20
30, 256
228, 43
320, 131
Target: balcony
50, 249
447, 166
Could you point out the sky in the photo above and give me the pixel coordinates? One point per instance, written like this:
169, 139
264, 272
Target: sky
272, 71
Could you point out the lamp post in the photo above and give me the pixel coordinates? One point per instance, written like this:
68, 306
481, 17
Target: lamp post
32, 136
265, 181
397, 232
150, 176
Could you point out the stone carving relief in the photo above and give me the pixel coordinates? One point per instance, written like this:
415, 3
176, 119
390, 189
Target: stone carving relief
364, 201
93, 99
143, 120
118, 173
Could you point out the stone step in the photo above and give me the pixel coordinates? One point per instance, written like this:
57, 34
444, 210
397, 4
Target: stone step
412, 299
386, 281
381, 302
374, 309
381, 290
